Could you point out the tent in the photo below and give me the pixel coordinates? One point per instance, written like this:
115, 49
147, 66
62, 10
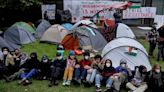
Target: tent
126, 48
84, 22
18, 35
67, 26
112, 31
88, 38
54, 34
24, 26
124, 31
41, 28
10, 45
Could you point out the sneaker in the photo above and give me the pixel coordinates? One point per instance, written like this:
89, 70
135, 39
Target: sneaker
98, 89
56, 83
64, 83
68, 83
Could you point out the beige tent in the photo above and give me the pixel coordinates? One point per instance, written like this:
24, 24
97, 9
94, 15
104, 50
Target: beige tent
54, 34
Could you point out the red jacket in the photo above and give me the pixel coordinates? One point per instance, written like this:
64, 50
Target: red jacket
84, 63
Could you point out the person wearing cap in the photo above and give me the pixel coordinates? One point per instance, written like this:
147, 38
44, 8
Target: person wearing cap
44, 66
155, 79
122, 74
57, 68
71, 63
138, 82
84, 65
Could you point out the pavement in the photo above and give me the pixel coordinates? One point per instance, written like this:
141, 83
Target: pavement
139, 33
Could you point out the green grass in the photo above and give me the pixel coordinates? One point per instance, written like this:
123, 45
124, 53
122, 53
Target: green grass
41, 86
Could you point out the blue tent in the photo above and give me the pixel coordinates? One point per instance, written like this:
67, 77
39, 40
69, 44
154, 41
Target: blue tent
67, 26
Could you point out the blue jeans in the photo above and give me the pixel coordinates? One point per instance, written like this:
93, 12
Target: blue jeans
99, 78
91, 76
29, 75
77, 73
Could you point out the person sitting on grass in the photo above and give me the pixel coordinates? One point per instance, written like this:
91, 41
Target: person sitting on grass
31, 67
3, 71
84, 65
91, 73
45, 68
23, 59
57, 68
71, 63
17, 58
138, 83
8, 60
155, 79
123, 73
107, 71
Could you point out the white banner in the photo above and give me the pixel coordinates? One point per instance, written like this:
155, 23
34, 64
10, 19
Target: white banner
48, 11
159, 19
85, 8
143, 12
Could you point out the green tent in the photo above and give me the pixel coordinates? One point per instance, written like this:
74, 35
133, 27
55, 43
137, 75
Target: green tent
25, 26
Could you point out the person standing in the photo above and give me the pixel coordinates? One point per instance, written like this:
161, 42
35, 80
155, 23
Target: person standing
152, 39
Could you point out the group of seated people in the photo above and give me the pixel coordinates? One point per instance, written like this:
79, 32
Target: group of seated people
87, 71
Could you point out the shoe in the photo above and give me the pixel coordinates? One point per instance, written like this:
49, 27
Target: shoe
26, 82
107, 90
50, 84
87, 84
98, 89
64, 83
56, 83
68, 83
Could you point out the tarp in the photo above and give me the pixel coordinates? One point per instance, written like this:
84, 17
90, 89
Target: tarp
18, 35
118, 49
41, 28
84, 22
54, 34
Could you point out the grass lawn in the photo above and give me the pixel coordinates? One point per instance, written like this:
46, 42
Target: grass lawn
41, 86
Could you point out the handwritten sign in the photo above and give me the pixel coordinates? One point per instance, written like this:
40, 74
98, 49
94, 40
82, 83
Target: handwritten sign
142, 12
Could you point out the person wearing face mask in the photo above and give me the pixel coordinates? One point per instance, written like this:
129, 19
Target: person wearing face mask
138, 82
8, 60
31, 67
155, 79
122, 75
57, 68
45, 68
84, 65
105, 75
71, 63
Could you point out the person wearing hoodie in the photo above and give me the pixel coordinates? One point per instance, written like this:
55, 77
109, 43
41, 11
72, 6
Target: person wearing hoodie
57, 68
71, 63
155, 79
31, 67
45, 68
138, 83
84, 65
106, 73
122, 75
